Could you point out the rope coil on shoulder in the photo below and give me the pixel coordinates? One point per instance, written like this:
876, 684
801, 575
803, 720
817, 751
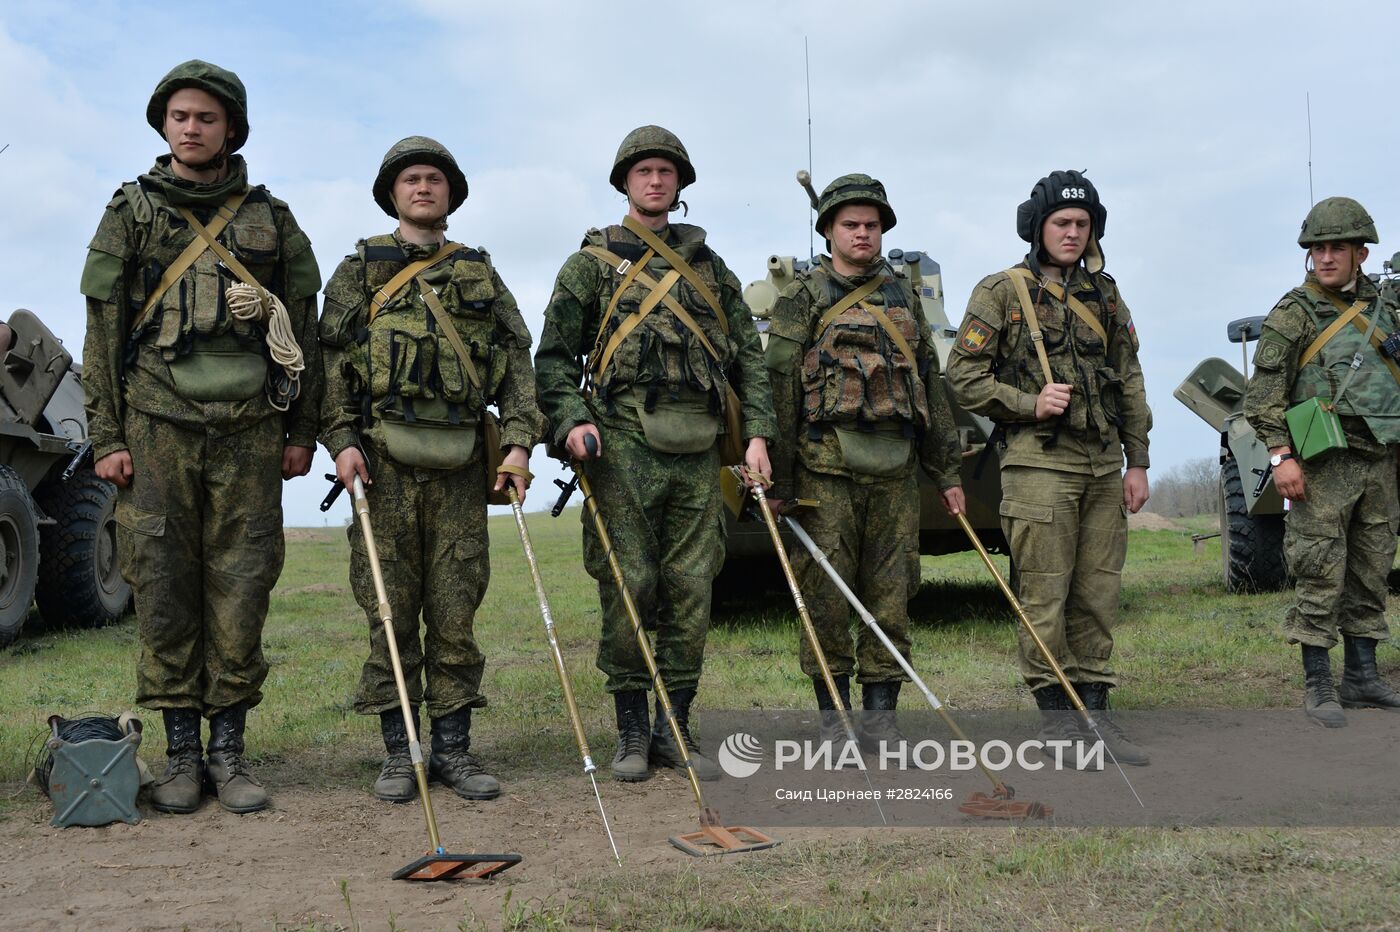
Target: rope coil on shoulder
258, 305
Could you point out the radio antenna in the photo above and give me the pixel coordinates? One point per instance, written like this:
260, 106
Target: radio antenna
807, 66
1307, 97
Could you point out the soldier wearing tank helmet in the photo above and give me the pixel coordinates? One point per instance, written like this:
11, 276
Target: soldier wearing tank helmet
1327, 339
203, 380
645, 334
1048, 351
419, 335
860, 406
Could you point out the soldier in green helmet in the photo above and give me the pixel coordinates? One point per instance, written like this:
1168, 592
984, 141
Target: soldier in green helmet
1327, 339
647, 347
419, 334
1048, 351
860, 407
199, 405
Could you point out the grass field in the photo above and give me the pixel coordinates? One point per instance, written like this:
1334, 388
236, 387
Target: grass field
1183, 643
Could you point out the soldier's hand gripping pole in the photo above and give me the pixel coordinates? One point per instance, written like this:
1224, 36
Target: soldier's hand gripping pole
712, 830
558, 657
1040, 645
808, 629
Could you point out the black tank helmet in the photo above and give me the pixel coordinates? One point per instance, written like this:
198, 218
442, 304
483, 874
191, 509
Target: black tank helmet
1051, 193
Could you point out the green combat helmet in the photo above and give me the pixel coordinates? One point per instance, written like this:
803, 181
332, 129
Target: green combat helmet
1337, 220
854, 189
647, 142
211, 79
418, 150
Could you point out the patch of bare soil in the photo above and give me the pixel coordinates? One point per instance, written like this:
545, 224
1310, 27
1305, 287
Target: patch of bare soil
302, 535
1148, 521
214, 869
332, 588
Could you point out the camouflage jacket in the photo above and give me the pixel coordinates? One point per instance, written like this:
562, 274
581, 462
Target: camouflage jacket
481, 307
795, 363
582, 292
994, 371
1287, 332
140, 233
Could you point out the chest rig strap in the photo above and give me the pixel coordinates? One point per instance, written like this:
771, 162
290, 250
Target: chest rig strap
854, 298
406, 274
1037, 336
197, 247
1349, 315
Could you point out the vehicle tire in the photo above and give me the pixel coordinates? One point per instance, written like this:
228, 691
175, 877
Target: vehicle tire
19, 553
80, 580
1251, 546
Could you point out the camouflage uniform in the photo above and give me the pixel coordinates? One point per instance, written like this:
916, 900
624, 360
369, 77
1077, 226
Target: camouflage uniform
868, 525
396, 372
1062, 503
1340, 538
200, 525
661, 390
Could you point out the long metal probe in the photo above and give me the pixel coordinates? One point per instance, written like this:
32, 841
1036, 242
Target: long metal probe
574, 718
809, 629
1045, 651
801, 534
415, 750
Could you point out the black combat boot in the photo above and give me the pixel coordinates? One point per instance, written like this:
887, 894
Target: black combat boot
629, 764
178, 790
664, 752
228, 773
831, 727
1320, 699
1056, 722
396, 783
1362, 686
878, 725
452, 762
1095, 699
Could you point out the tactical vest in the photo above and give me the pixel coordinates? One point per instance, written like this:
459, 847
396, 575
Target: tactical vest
405, 369
194, 309
1078, 357
1373, 393
661, 360
854, 373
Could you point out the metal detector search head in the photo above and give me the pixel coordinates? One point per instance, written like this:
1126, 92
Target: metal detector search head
444, 866
716, 838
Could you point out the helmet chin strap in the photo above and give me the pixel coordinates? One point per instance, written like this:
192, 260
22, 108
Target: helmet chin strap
676, 205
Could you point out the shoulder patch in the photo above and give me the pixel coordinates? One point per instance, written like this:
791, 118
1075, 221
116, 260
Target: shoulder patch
1132, 333
1271, 353
974, 335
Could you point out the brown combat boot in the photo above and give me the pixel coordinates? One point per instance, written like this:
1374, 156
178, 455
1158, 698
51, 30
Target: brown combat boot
179, 789
397, 782
228, 773
1362, 686
452, 761
1320, 699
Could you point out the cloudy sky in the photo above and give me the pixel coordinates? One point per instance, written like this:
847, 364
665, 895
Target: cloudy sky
1189, 116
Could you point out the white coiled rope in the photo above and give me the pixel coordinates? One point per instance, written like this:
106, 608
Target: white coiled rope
258, 305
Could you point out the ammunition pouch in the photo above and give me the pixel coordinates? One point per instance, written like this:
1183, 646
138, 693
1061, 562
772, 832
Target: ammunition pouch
675, 425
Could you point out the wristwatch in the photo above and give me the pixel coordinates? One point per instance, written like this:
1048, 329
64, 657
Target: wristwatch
1278, 459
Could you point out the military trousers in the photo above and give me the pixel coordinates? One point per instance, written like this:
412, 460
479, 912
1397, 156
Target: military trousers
430, 533
664, 514
869, 532
199, 537
1340, 543
1069, 537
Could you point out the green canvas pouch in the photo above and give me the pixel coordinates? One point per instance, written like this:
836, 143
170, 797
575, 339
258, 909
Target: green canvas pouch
882, 454
675, 425
1315, 428
218, 375
430, 440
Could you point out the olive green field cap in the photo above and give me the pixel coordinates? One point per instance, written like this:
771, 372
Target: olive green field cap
1337, 220
647, 142
211, 79
418, 150
854, 189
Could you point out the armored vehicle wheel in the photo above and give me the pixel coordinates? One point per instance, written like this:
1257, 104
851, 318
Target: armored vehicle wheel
80, 580
19, 553
1251, 546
